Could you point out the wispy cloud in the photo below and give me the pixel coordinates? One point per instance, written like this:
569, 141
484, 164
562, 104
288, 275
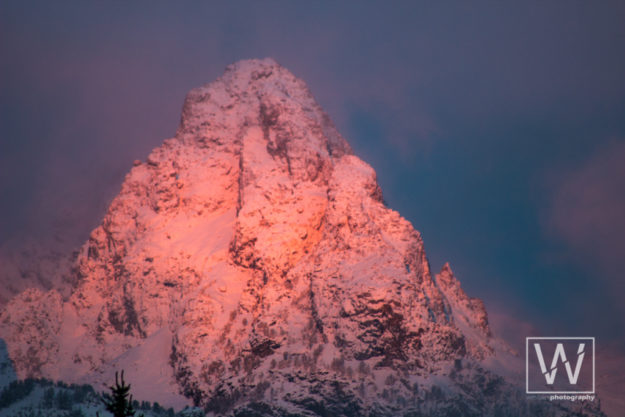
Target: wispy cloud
587, 214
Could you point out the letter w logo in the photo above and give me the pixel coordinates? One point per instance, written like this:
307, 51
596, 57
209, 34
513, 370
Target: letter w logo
550, 374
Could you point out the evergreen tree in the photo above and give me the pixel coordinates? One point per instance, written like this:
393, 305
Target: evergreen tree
119, 402
63, 400
48, 397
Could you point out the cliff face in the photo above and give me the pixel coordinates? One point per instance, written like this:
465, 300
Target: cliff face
251, 264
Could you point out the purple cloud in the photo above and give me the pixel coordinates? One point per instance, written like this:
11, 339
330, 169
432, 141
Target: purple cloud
587, 213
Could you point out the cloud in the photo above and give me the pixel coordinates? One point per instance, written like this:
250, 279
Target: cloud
610, 377
76, 117
510, 328
587, 214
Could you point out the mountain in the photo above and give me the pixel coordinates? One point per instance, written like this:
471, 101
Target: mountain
251, 265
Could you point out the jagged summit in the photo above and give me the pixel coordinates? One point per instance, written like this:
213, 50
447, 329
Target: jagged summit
259, 92
251, 265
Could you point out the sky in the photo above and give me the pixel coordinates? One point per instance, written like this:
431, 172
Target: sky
497, 129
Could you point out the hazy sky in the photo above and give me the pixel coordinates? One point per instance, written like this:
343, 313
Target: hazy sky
497, 129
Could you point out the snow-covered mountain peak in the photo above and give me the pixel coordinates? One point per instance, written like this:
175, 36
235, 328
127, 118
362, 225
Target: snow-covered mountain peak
259, 93
251, 263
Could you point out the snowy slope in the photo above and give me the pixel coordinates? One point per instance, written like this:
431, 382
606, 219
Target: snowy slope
7, 373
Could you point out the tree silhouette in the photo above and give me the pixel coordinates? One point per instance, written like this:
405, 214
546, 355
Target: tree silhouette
119, 402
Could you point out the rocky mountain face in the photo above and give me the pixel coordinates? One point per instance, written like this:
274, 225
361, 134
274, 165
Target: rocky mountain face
251, 265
